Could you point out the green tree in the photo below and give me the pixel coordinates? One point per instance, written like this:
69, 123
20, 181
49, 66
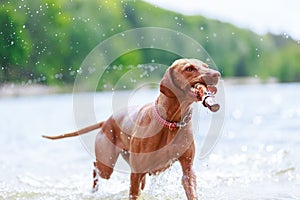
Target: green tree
46, 41
49, 28
15, 44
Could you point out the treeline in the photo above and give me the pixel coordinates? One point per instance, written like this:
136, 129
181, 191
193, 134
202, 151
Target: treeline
46, 41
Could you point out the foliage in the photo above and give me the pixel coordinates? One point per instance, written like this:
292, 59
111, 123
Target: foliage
46, 41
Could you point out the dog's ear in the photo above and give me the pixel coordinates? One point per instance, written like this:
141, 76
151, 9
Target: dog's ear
166, 84
170, 84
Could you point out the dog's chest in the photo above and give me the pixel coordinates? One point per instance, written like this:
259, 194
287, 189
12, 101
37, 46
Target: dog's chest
156, 154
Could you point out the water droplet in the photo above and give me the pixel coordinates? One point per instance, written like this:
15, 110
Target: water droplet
79, 71
201, 28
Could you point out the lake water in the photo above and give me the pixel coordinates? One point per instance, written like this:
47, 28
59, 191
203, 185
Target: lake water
257, 156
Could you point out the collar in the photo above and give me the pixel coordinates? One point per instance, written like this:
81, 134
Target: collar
167, 124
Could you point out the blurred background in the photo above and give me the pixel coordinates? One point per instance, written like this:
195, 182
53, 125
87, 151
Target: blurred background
254, 44
45, 42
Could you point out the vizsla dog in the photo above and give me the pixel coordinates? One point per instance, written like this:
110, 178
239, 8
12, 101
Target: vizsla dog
153, 137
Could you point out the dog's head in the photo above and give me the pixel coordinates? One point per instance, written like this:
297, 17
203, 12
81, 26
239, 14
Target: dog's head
181, 77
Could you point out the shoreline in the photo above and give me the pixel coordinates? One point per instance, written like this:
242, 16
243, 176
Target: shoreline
17, 90
249, 81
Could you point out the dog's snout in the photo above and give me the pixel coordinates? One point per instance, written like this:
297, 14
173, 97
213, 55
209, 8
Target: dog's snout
213, 73
211, 77
216, 74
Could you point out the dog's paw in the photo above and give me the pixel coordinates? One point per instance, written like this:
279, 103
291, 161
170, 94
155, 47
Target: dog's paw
94, 189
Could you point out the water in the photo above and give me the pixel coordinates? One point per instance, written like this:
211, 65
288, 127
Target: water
257, 156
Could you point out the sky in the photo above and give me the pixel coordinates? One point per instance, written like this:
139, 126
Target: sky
261, 16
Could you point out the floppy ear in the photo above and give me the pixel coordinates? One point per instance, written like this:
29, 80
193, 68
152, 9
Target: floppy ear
167, 84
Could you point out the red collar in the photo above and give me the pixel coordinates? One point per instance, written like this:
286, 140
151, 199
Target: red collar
170, 125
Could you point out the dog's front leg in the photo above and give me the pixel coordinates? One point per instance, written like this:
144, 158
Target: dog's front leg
137, 182
189, 181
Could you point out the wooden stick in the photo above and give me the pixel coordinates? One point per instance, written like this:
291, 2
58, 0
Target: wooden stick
208, 98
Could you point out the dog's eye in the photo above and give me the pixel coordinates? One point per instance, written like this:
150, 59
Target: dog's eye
190, 68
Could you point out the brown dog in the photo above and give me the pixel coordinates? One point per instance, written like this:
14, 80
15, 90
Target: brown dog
151, 138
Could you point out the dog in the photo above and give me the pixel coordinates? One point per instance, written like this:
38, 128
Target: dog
151, 138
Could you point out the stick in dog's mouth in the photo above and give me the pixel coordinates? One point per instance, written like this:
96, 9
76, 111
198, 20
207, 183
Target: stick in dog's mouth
206, 96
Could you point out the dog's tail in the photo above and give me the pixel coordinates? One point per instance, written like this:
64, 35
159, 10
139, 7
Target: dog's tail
76, 133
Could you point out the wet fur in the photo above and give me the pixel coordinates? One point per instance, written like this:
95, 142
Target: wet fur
142, 142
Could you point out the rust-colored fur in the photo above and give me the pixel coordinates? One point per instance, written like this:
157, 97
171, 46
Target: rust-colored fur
148, 147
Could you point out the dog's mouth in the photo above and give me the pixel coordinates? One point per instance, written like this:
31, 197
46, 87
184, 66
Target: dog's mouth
206, 94
199, 90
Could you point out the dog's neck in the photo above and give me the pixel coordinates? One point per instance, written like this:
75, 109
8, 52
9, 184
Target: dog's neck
172, 109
